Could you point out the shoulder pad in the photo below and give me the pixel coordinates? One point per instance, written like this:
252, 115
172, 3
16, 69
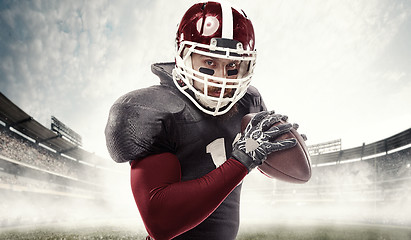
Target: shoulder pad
253, 100
157, 97
139, 123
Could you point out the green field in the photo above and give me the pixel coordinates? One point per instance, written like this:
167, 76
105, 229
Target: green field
298, 232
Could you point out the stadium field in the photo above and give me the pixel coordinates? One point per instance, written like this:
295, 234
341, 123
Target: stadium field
272, 232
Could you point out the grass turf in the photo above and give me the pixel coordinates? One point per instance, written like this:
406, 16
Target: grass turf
298, 232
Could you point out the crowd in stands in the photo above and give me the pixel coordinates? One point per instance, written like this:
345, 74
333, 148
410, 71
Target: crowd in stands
384, 178
18, 148
35, 193
19, 183
395, 165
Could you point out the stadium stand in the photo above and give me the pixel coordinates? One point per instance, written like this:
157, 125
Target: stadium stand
370, 184
14, 117
18, 149
40, 169
384, 146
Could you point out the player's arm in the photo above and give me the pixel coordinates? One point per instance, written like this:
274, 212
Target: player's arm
170, 207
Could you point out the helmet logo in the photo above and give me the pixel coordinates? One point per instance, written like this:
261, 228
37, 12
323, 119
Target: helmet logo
210, 26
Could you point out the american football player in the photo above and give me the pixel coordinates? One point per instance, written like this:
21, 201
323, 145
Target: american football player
182, 137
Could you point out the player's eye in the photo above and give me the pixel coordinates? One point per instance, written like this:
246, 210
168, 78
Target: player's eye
232, 68
232, 65
209, 62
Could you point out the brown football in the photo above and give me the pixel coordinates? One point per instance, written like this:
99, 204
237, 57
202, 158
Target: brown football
290, 165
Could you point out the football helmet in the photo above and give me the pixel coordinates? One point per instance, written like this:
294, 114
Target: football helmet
219, 31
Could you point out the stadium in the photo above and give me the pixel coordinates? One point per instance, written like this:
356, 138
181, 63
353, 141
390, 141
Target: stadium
340, 69
53, 188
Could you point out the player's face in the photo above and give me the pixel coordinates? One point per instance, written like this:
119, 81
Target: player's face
216, 67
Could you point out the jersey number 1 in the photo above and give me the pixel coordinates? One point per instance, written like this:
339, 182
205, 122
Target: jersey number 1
217, 151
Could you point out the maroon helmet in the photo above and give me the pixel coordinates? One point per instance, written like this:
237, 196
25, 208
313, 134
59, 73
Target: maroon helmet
204, 21
218, 30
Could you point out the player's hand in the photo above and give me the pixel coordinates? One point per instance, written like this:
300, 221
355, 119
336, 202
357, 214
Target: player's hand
296, 126
259, 139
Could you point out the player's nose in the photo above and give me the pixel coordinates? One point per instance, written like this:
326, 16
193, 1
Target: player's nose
220, 72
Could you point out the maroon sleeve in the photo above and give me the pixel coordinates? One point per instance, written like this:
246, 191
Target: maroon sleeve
170, 207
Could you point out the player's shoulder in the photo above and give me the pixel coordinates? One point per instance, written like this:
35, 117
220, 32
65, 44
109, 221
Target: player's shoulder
142, 123
253, 100
253, 91
156, 98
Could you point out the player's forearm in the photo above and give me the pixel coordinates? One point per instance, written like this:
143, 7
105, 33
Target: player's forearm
170, 207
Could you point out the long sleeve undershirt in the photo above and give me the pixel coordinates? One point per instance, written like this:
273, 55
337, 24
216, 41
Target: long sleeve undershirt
170, 207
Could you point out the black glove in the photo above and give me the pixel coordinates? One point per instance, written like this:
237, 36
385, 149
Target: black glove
259, 139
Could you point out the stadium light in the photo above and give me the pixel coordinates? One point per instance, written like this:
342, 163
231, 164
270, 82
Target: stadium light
65, 131
325, 147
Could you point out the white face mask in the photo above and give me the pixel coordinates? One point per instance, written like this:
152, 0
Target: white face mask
230, 89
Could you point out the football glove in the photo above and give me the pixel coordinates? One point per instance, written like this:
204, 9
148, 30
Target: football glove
259, 139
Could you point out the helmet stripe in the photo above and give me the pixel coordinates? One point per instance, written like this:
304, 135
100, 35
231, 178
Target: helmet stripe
227, 19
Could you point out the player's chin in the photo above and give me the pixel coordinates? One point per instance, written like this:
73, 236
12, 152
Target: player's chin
227, 94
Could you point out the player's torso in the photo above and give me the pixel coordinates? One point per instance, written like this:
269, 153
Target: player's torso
204, 142
201, 142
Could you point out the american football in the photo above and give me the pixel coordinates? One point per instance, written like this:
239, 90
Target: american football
290, 165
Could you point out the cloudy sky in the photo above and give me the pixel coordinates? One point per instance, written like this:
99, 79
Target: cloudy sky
339, 68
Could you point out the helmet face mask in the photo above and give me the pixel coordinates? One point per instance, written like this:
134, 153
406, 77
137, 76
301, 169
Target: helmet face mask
214, 95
